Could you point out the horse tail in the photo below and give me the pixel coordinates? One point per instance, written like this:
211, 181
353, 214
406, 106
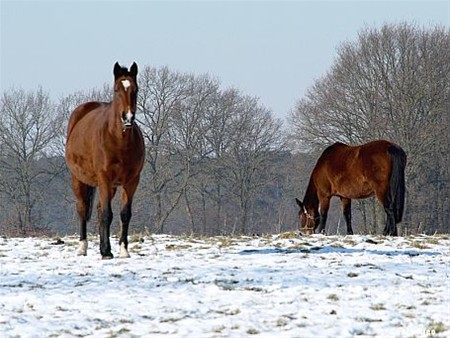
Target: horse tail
90, 201
397, 181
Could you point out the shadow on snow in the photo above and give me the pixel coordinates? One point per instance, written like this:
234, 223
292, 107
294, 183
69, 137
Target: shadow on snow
332, 250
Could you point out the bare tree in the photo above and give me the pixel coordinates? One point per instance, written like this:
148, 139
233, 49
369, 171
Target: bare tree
161, 94
212, 185
241, 144
190, 127
248, 160
174, 106
27, 129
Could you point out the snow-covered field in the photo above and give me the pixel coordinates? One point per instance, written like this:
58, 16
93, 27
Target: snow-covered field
273, 286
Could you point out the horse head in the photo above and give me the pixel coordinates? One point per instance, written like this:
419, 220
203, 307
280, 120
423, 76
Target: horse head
308, 218
125, 93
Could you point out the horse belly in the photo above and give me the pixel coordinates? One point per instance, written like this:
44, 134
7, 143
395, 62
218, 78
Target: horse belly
354, 189
120, 174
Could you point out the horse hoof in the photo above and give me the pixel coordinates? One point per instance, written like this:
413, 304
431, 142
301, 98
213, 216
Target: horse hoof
110, 256
82, 248
123, 252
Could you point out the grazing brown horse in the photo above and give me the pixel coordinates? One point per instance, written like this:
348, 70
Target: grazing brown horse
105, 149
375, 168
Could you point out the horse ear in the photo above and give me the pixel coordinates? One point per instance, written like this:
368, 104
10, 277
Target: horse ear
117, 70
299, 203
134, 69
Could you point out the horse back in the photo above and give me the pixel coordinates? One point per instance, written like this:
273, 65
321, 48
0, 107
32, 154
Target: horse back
334, 156
353, 171
376, 155
339, 154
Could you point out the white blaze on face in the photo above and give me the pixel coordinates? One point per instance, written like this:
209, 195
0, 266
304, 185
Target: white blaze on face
126, 84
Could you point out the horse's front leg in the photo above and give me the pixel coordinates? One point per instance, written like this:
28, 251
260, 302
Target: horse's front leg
105, 216
347, 211
324, 205
105, 219
125, 216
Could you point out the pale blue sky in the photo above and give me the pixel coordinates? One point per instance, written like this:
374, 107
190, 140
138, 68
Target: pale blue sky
272, 50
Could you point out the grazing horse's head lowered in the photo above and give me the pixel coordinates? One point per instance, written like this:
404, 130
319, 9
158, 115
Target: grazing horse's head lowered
308, 218
355, 172
125, 93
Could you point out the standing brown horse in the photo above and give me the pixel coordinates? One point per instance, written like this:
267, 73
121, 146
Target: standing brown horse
348, 172
105, 149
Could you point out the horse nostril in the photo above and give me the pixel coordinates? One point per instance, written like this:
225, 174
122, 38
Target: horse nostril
127, 117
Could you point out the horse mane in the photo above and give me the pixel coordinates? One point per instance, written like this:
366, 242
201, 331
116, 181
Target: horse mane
331, 150
311, 197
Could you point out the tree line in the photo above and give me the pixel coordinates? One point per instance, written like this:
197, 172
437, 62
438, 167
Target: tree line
219, 162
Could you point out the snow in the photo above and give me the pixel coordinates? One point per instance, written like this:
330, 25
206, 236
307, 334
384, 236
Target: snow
271, 286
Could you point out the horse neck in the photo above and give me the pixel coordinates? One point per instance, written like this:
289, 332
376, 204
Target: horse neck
311, 199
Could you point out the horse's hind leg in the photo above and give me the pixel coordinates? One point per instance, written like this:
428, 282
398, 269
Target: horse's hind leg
84, 195
390, 228
347, 210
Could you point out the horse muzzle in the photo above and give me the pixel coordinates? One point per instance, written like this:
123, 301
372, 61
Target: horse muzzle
127, 123
128, 119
